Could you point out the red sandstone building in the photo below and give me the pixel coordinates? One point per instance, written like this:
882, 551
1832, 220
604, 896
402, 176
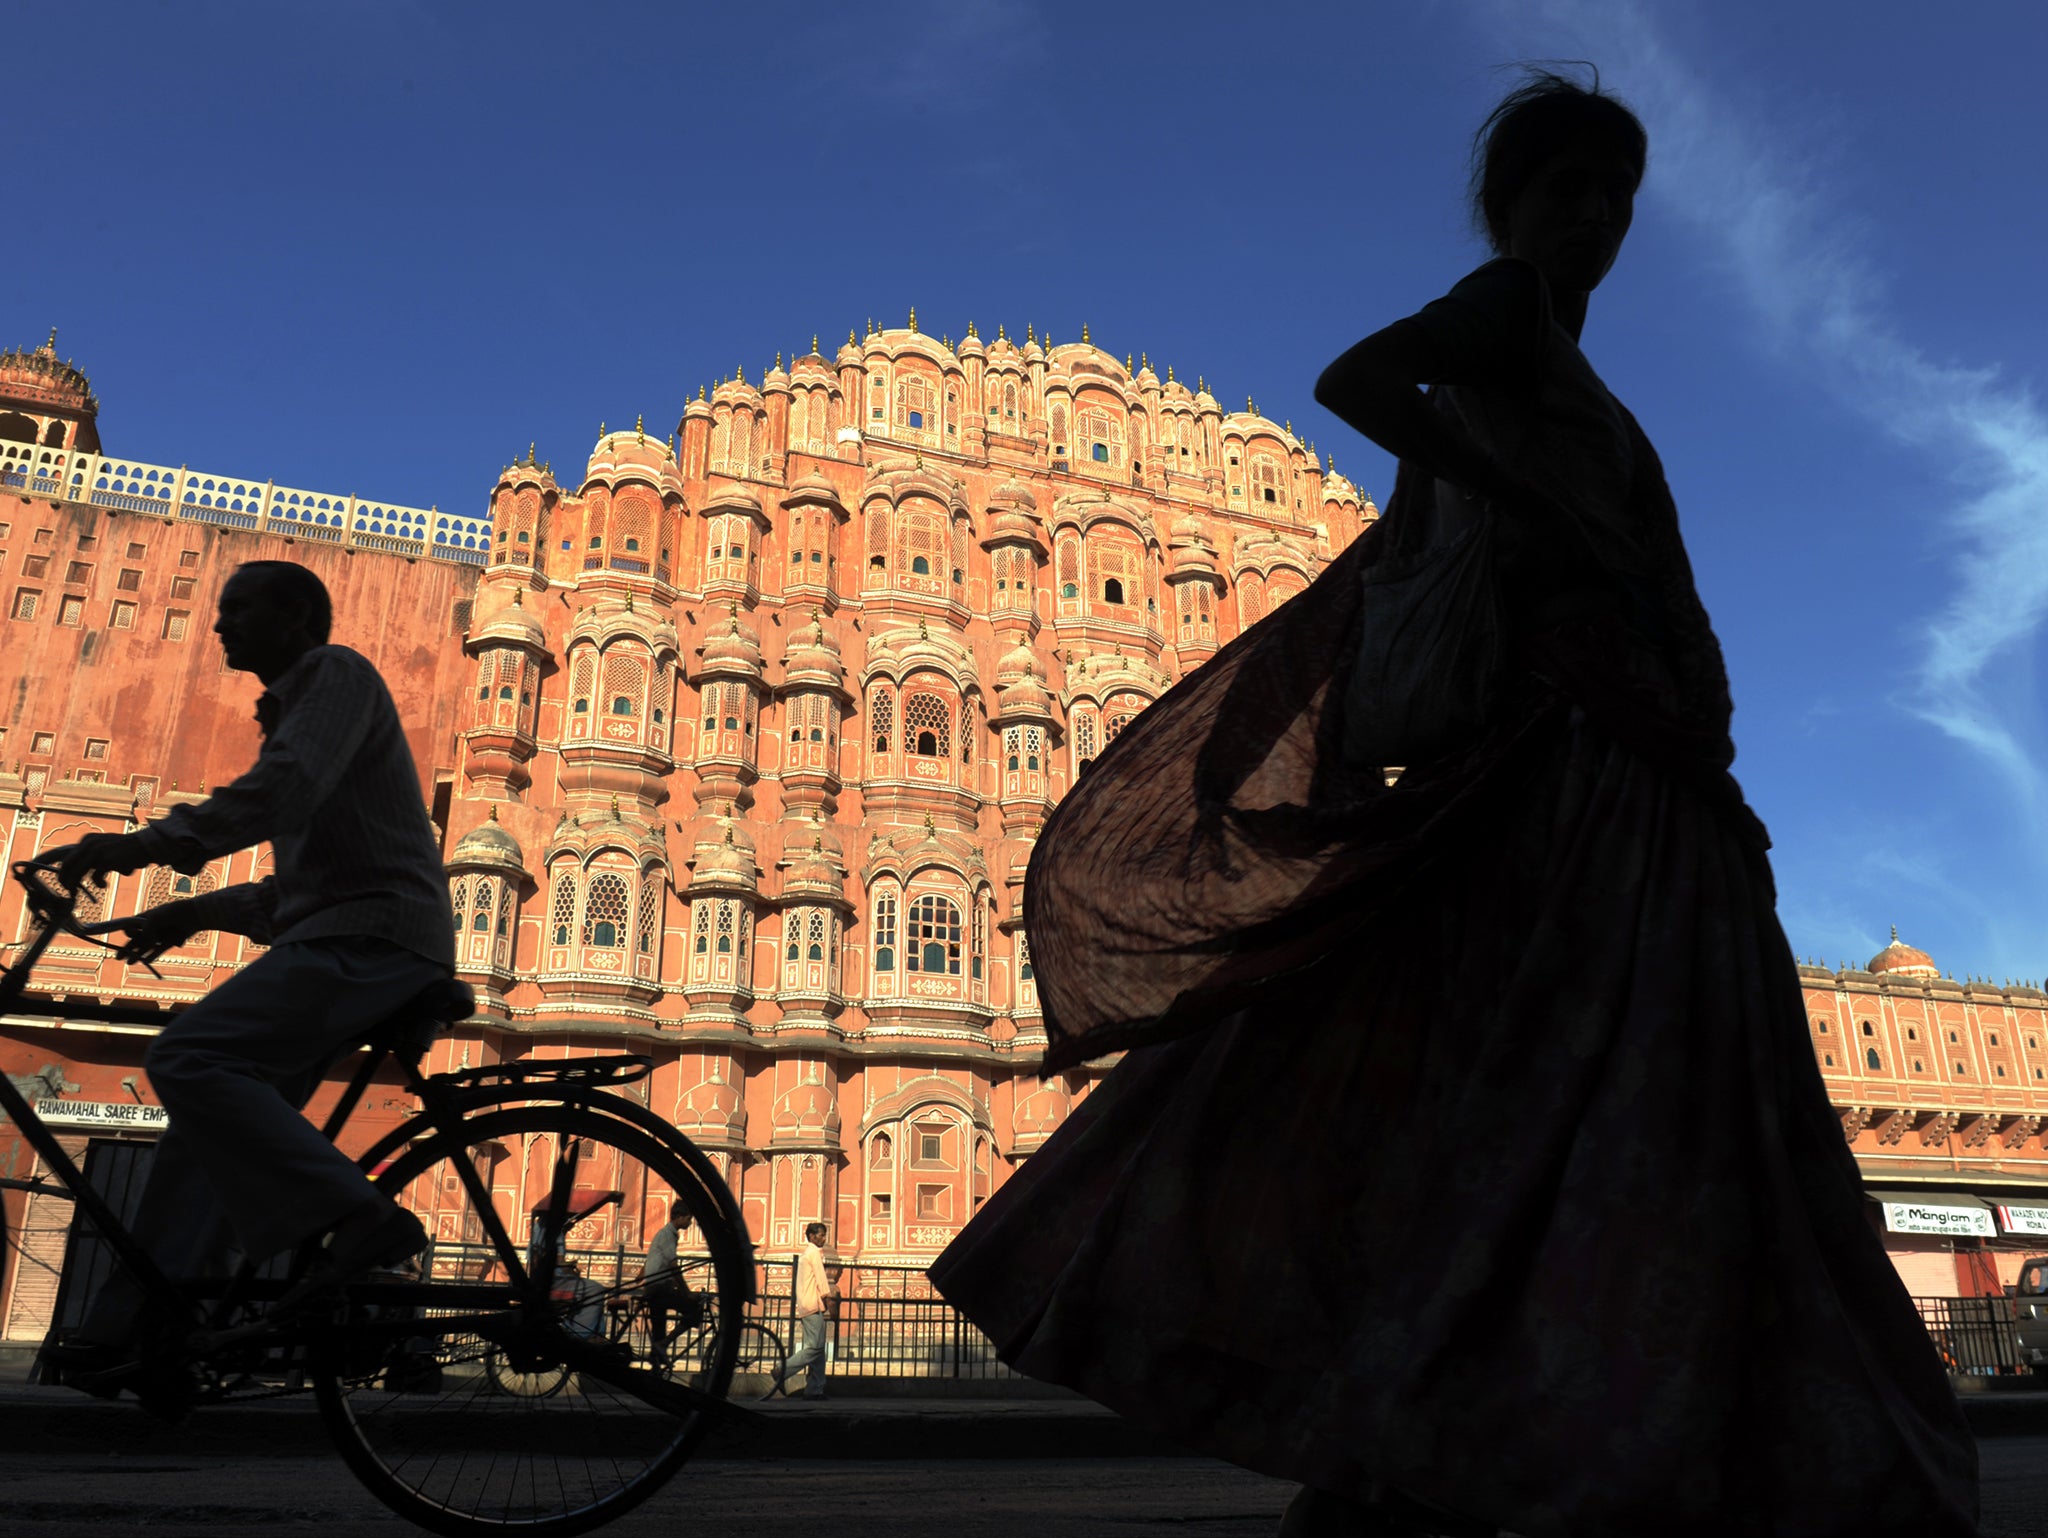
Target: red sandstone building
739, 740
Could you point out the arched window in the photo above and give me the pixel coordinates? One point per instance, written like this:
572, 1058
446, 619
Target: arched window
881, 713
562, 913
480, 913
1084, 736
700, 925
604, 916
885, 931
727, 917
580, 681
1034, 739
925, 726
649, 914
1112, 590
814, 935
920, 547
978, 938
461, 893
933, 942
1870, 1058
1024, 972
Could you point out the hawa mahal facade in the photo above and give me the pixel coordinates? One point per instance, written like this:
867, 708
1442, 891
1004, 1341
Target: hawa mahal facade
738, 740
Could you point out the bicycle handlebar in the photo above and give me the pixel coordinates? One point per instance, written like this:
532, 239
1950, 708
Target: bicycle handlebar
52, 902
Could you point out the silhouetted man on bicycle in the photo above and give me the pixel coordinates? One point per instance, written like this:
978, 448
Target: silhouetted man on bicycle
358, 924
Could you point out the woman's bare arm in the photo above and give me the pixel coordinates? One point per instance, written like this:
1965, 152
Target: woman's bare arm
1376, 387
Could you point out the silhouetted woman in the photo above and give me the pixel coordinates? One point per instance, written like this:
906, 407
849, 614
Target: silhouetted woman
1472, 1166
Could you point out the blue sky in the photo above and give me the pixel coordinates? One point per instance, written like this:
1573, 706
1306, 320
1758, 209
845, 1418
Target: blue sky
377, 247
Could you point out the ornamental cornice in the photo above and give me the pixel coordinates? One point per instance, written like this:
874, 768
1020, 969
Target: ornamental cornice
896, 654
903, 852
926, 1089
1084, 509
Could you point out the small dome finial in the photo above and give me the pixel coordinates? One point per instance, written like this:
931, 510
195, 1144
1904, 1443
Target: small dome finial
615, 808
532, 455
1084, 332
494, 811
51, 345
814, 344
972, 334
700, 392
1895, 934
913, 317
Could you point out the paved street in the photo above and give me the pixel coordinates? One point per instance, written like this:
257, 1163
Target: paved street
85, 1496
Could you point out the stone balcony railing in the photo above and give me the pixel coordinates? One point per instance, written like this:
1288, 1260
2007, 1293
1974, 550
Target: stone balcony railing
125, 485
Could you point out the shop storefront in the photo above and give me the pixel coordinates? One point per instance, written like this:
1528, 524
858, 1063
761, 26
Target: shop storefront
1955, 1243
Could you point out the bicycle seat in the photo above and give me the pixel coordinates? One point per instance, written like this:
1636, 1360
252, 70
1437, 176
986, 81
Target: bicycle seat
409, 1030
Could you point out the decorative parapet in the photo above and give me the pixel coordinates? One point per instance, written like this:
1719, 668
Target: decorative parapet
126, 485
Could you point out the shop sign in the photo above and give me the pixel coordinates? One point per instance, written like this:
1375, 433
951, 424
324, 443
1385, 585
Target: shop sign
104, 1115
2023, 1220
1936, 1218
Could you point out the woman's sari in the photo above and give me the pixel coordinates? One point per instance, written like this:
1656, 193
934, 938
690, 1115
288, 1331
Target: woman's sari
1469, 1138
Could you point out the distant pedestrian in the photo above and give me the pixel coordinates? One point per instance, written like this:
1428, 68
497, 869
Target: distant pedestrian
814, 1296
664, 1291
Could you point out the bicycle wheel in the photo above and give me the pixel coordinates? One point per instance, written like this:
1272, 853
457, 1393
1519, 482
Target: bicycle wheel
499, 1406
761, 1351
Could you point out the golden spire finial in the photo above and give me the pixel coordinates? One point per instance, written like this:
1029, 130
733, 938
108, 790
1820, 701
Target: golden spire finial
700, 392
615, 808
814, 344
600, 432
1290, 427
1084, 333
946, 340
919, 457
1030, 336
728, 832
1254, 410
518, 598
741, 375
1143, 361
531, 457
52, 343
850, 339
778, 358
1001, 334
913, 317
1169, 373
972, 334
1201, 383
640, 427
494, 811
922, 633
629, 603
930, 827
1128, 369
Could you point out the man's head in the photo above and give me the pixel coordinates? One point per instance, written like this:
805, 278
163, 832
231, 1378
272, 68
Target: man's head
271, 614
815, 1232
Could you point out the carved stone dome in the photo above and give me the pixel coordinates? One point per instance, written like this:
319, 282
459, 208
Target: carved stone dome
1903, 960
732, 646
488, 845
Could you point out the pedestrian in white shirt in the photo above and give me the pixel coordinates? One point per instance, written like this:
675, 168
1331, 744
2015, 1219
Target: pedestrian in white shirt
814, 1294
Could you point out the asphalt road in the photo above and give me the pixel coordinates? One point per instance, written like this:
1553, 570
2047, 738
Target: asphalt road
83, 1496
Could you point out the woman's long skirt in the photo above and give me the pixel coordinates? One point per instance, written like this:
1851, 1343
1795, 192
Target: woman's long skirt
1529, 1202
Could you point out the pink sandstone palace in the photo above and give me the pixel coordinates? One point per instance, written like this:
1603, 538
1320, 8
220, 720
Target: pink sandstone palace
738, 741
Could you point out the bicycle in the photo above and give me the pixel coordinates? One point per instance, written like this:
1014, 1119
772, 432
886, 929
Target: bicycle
690, 1332
400, 1366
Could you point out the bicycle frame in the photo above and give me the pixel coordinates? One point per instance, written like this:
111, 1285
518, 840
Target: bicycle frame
127, 1252
446, 1102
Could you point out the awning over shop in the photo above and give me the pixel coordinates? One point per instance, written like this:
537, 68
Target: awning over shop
2029, 1218
1935, 1212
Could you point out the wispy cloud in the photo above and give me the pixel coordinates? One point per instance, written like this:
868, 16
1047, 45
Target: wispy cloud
1793, 252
